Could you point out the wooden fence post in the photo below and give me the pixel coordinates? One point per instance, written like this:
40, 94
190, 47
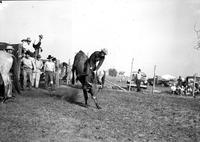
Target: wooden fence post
131, 74
193, 90
154, 74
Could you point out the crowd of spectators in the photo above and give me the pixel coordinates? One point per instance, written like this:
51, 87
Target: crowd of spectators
188, 86
32, 66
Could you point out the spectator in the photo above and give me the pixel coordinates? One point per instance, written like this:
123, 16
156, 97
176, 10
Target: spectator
37, 46
173, 88
179, 81
49, 68
55, 77
27, 46
138, 80
28, 68
38, 65
179, 85
9, 49
26, 43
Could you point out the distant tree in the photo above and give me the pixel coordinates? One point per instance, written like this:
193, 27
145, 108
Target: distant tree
112, 72
121, 73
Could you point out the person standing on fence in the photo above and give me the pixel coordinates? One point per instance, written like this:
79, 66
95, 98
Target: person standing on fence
27, 46
138, 80
38, 65
49, 69
37, 46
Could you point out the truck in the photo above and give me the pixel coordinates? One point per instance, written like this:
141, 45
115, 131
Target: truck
131, 83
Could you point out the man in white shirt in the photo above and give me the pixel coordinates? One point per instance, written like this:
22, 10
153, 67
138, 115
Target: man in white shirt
28, 68
37, 73
27, 46
49, 69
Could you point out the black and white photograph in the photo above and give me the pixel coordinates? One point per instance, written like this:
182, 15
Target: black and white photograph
100, 71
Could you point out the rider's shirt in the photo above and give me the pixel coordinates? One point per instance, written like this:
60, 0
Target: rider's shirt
97, 56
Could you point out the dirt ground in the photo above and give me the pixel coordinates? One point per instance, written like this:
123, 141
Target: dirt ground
35, 116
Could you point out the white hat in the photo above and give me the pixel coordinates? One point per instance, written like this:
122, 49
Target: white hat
9, 47
104, 50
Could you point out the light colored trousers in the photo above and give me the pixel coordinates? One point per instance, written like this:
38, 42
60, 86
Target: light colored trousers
36, 78
27, 75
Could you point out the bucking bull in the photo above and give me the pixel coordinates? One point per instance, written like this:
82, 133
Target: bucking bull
86, 76
8, 61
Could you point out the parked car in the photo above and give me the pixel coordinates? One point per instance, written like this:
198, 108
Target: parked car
160, 81
131, 83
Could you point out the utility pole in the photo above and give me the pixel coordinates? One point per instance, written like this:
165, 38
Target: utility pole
131, 73
154, 74
132, 65
193, 90
68, 70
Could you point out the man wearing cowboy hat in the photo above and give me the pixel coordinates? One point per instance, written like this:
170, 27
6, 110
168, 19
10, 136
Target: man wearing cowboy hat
49, 69
37, 45
95, 61
97, 58
9, 49
26, 44
37, 73
28, 68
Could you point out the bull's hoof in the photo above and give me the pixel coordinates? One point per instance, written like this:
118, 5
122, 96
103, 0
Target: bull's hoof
86, 105
98, 107
7, 99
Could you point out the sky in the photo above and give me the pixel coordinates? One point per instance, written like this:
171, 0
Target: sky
151, 32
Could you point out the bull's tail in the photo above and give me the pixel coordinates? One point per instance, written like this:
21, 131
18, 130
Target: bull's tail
2, 88
15, 74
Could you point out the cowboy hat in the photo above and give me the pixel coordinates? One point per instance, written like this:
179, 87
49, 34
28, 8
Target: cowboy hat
49, 57
9, 47
28, 39
41, 36
104, 50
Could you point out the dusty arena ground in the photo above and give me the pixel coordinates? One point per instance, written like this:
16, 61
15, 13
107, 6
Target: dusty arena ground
35, 116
